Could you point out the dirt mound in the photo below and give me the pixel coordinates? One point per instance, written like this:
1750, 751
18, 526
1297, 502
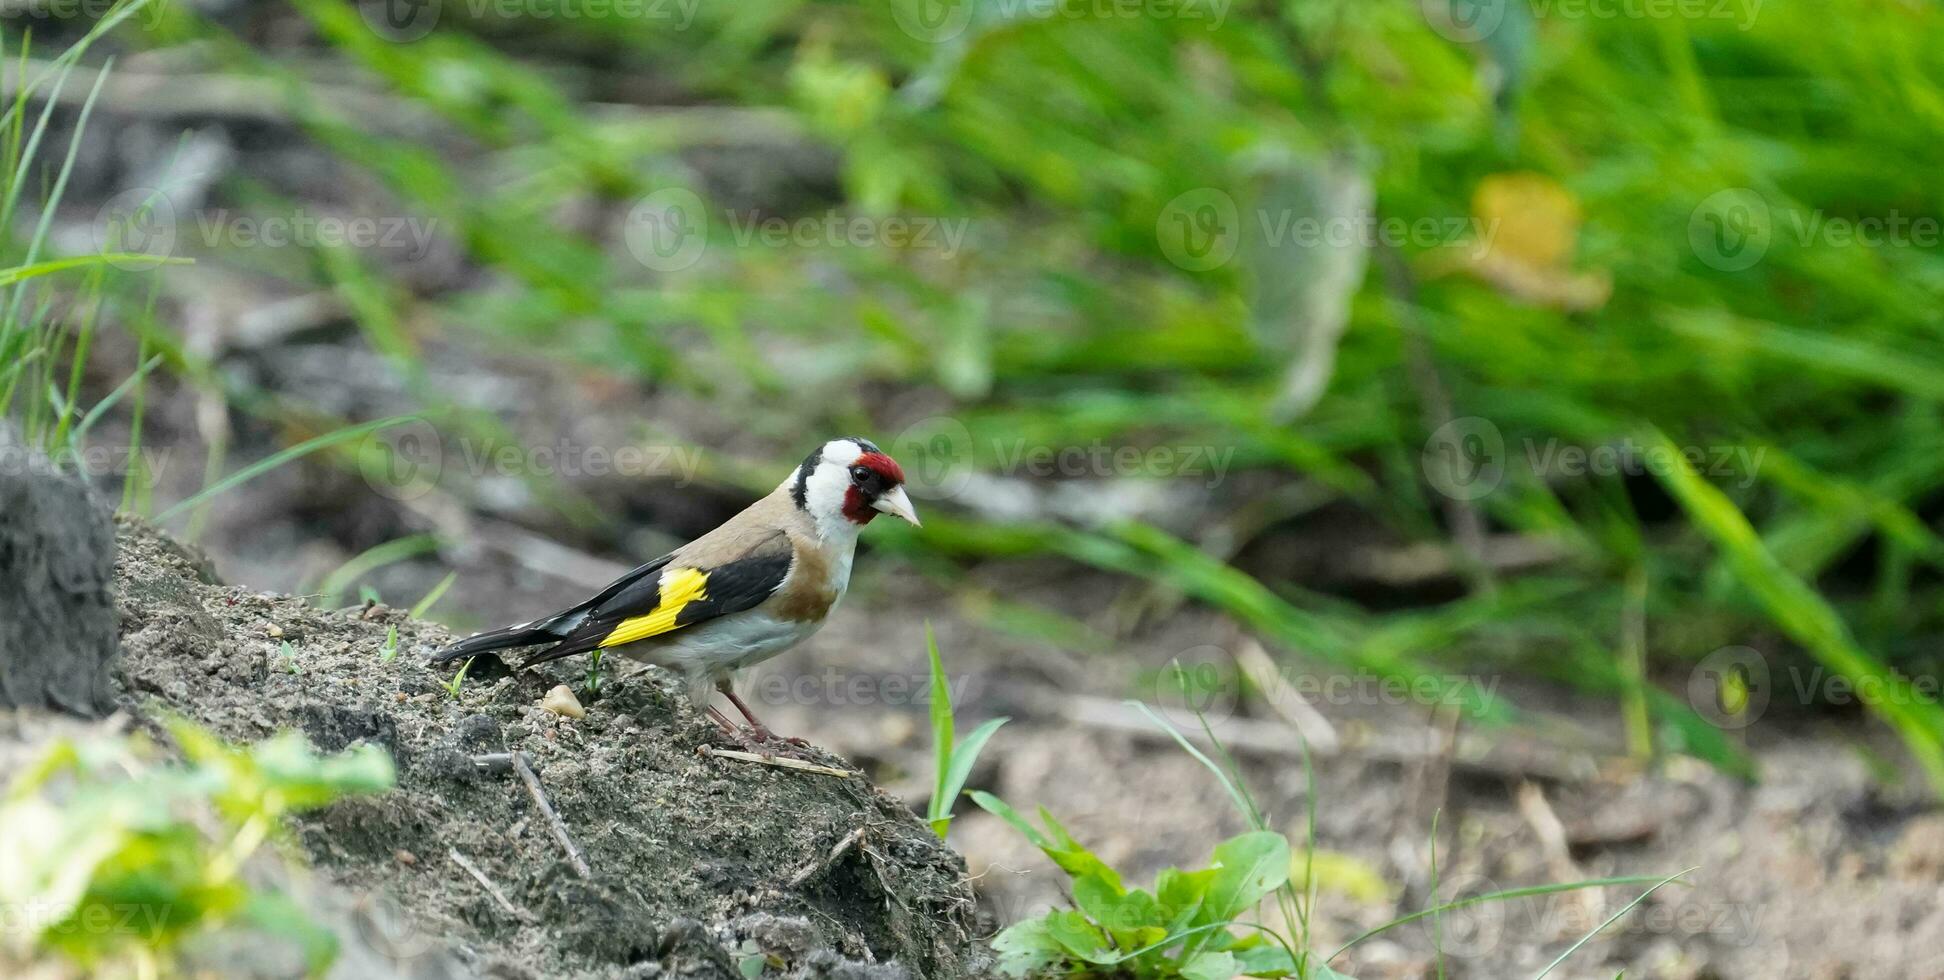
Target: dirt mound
702, 866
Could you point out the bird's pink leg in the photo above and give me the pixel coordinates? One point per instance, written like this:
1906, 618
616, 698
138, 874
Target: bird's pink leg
723, 720
762, 731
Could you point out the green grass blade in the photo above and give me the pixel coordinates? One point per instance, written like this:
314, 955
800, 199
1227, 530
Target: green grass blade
374, 558
965, 755
22, 273
432, 598
942, 729
113, 398
1498, 896
1611, 919
1805, 615
271, 463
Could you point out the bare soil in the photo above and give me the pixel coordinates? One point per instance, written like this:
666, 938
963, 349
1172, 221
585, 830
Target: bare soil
698, 862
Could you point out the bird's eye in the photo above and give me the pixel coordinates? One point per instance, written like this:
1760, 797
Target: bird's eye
860, 474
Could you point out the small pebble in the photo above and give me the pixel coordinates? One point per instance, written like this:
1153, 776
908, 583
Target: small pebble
276, 631
561, 701
405, 857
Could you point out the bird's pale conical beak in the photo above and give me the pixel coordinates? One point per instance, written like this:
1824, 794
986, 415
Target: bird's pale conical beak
897, 504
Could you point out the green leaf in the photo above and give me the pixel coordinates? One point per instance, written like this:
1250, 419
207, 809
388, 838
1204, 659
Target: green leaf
1247, 867
964, 756
1080, 938
277, 915
942, 733
1210, 966
1027, 948
1180, 894
1004, 811
1268, 960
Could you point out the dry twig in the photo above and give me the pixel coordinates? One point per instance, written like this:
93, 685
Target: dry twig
780, 762
554, 822
487, 883
815, 868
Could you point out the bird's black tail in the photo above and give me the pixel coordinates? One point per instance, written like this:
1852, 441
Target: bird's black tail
524, 635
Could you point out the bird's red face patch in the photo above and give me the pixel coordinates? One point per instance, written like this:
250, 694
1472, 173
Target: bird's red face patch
885, 467
872, 475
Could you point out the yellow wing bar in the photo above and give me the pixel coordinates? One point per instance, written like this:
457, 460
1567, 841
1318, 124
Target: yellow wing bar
679, 587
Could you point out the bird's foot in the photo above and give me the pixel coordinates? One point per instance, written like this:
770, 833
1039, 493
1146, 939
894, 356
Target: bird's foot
765, 742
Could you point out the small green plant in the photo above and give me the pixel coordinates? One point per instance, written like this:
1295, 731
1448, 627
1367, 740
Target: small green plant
92, 830
459, 679
288, 654
594, 672
951, 763
1182, 928
1185, 926
389, 652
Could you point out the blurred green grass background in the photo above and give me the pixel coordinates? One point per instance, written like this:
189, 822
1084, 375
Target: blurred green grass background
1379, 251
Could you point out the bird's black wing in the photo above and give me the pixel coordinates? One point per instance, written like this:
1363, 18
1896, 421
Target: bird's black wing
680, 596
560, 625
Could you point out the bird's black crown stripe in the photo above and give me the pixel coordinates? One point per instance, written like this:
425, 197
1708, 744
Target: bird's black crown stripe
801, 491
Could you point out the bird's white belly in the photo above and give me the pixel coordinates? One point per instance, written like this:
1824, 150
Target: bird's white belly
722, 645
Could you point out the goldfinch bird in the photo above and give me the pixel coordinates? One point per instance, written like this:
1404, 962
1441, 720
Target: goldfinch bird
736, 596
